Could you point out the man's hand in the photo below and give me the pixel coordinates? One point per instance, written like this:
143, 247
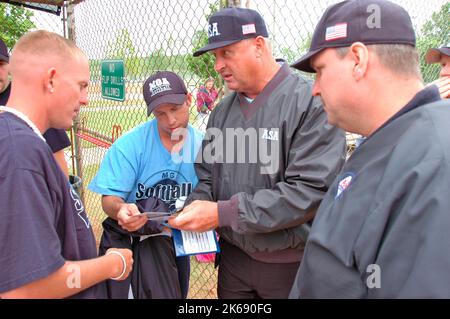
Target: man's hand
122, 270
443, 85
130, 218
199, 216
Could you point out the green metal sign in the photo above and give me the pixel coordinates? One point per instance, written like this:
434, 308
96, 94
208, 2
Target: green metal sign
113, 80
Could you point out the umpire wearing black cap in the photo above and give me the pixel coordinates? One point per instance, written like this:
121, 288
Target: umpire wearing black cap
442, 56
259, 204
381, 230
4, 73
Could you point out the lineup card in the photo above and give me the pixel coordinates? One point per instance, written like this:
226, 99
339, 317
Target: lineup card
194, 242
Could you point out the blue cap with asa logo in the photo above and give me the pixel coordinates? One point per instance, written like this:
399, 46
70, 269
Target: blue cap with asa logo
163, 87
232, 25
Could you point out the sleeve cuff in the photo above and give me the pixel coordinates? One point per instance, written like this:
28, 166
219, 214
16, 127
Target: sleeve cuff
228, 212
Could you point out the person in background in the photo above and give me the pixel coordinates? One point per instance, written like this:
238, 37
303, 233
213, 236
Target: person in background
206, 101
5, 88
442, 56
56, 139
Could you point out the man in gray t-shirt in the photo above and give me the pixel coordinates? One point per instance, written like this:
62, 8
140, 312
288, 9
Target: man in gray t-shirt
48, 247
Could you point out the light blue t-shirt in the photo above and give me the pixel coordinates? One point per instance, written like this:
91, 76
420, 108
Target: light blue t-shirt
137, 166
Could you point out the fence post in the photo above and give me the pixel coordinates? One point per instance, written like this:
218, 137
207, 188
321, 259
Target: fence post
76, 123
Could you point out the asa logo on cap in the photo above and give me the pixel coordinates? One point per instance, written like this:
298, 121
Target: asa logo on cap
213, 30
270, 134
344, 183
159, 85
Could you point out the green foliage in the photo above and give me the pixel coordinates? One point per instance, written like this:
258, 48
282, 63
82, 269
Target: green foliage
203, 66
159, 60
291, 54
122, 48
141, 67
14, 22
434, 33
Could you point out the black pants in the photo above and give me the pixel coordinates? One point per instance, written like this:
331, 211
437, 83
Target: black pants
184, 270
242, 277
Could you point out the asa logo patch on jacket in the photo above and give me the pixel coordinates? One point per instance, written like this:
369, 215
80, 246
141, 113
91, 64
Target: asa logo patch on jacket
270, 134
344, 183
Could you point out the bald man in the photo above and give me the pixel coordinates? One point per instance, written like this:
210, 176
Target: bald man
48, 247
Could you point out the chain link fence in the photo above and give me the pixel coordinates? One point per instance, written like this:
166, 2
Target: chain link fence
161, 35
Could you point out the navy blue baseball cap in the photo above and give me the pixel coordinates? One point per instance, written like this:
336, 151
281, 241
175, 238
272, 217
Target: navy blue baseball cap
163, 87
232, 25
434, 55
366, 21
4, 55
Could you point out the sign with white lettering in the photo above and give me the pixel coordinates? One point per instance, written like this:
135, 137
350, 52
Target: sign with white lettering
113, 80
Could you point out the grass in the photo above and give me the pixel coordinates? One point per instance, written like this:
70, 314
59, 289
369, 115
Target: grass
203, 280
102, 115
103, 121
92, 202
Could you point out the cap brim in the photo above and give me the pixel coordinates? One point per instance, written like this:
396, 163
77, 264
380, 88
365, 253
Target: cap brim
213, 46
4, 58
177, 99
304, 63
434, 55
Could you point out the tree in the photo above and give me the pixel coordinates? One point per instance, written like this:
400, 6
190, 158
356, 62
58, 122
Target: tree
203, 66
14, 22
122, 47
293, 52
434, 33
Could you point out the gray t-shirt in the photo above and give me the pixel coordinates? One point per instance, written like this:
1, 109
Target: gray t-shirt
43, 221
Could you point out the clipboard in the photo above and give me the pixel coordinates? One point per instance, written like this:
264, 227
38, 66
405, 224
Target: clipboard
193, 243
